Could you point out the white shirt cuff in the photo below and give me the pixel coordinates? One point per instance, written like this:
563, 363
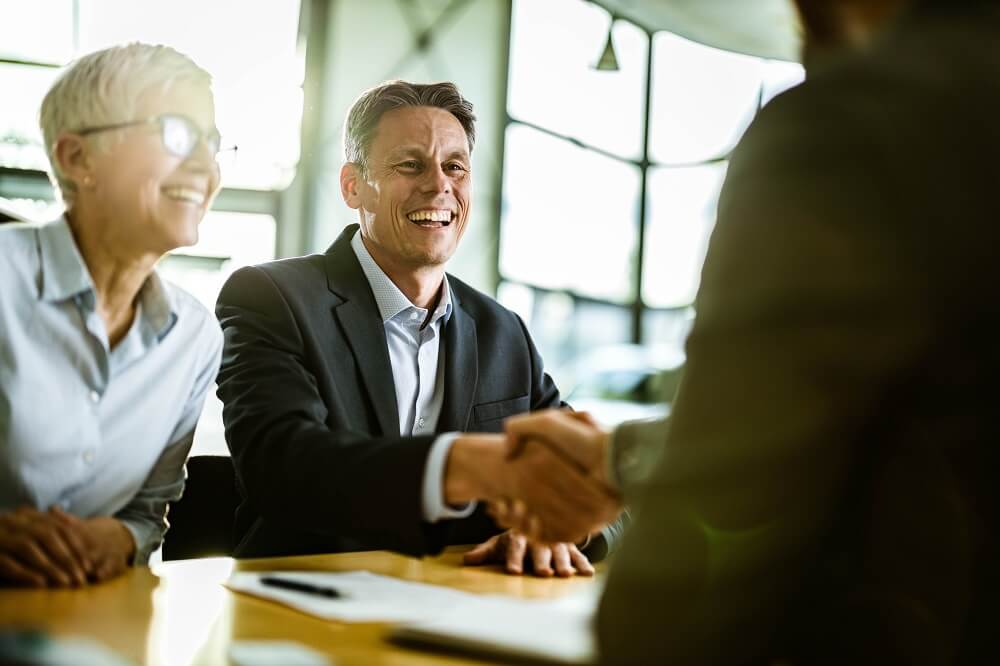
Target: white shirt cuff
435, 508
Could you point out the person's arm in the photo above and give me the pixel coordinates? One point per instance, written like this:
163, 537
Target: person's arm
601, 543
806, 317
144, 517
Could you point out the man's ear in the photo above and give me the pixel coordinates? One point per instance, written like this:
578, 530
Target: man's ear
72, 154
350, 180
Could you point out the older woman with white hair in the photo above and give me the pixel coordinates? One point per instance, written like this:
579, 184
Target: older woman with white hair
104, 366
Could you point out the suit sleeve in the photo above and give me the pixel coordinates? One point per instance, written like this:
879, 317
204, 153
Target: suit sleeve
295, 469
806, 318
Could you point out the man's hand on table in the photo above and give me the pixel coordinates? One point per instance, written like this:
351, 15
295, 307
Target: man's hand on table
55, 549
516, 551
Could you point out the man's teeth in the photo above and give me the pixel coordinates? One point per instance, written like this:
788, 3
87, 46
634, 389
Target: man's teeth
430, 216
185, 194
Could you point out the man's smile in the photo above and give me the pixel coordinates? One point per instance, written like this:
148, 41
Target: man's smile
432, 218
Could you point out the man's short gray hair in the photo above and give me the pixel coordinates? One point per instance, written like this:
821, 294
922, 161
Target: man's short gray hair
103, 87
367, 110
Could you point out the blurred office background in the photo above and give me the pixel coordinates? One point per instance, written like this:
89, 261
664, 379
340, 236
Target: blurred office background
604, 133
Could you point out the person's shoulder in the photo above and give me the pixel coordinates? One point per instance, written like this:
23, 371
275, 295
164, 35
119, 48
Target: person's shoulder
19, 245
19, 236
192, 315
282, 271
478, 305
834, 116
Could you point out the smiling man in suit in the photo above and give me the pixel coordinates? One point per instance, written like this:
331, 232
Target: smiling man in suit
351, 379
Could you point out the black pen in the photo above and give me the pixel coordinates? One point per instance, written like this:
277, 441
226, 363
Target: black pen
297, 586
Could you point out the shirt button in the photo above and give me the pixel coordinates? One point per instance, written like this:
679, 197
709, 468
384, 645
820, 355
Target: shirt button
95, 397
88, 456
420, 422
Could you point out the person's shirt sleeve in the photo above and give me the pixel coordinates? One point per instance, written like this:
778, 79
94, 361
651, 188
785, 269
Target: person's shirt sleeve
634, 448
145, 516
434, 506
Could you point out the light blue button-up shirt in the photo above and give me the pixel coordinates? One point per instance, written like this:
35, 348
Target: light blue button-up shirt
417, 358
94, 430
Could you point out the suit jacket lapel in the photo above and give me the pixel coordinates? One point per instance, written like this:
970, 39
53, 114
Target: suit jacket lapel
359, 318
461, 369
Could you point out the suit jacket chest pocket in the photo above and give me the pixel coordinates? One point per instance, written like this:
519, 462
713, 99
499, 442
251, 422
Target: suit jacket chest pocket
489, 416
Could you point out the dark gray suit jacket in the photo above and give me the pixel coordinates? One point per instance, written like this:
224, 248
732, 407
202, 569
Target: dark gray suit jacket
310, 409
827, 491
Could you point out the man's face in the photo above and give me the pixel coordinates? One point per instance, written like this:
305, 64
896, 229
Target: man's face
414, 202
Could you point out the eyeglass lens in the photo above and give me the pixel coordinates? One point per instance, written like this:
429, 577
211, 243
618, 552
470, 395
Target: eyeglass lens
180, 136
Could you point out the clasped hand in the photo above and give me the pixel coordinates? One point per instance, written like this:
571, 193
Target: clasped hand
55, 549
554, 486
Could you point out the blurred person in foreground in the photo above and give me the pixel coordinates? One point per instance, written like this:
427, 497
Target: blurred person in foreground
104, 364
825, 489
365, 388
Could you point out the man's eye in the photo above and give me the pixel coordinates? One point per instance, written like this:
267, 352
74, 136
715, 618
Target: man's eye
455, 166
409, 165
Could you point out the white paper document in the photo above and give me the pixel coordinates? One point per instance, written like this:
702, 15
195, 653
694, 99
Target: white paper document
553, 630
557, 631
269, 653
365, 597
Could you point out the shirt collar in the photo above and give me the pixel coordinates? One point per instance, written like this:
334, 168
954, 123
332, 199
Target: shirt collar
63, 272
389, 299
159, 308
65, 275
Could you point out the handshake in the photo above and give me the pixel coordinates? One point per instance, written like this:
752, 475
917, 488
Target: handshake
546, 476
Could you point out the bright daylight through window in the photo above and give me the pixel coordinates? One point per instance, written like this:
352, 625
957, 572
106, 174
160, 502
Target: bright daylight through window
607, 210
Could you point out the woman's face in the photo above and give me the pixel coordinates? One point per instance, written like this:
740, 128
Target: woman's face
151, 199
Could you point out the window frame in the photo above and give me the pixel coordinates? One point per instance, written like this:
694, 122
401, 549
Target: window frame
645, 163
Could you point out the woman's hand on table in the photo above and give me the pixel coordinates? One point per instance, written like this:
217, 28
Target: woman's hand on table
56, 549
41, 549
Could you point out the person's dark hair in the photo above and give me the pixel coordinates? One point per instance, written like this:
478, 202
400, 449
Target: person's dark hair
825, 21
367, 110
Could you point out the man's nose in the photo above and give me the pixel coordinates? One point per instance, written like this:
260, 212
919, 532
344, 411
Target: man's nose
436, 180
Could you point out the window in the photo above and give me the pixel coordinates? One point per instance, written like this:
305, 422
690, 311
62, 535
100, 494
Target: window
552, 83
680, 215
256, 66
598, 224
607, 209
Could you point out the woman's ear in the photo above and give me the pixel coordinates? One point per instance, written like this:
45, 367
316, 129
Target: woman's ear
72, 154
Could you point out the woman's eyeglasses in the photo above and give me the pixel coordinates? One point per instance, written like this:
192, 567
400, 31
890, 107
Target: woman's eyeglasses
180, 135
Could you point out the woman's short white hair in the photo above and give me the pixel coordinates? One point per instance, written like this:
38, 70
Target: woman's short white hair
103, 87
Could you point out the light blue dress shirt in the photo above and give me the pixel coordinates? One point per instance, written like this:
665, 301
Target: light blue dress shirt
417, 358
94, 430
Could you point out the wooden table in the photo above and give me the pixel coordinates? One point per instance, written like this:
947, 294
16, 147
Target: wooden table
178, 613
